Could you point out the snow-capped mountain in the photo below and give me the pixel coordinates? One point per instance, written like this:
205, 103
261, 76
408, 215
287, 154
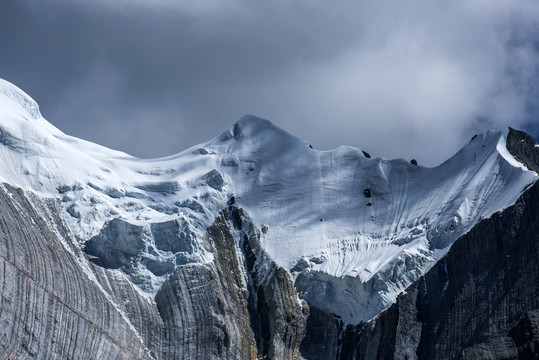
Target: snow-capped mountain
353, 230
255, 245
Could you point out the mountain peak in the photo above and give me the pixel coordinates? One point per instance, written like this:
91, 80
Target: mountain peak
254, 126
251, 125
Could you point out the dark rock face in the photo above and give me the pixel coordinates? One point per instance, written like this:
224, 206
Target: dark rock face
214, 179
524, 148
522, 342
322, 335
230, 309
526, 335
277, 316
203, 316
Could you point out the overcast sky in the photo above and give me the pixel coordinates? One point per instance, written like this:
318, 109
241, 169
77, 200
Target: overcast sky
411, 79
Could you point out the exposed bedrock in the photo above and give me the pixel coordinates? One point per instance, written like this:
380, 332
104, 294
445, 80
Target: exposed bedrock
204, 316
55, 304
204, 305
222, 310
49, 306
277, 315
524, 148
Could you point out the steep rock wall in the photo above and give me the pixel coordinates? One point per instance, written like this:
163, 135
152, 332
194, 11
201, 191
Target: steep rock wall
204, 305
56, 304
49, 307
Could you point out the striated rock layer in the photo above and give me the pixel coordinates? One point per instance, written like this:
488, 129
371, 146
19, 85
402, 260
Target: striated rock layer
51, 306
55, 304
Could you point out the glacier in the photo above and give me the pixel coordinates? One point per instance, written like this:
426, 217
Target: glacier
353, 231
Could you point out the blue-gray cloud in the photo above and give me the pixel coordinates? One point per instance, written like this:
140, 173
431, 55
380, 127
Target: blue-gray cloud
412, 79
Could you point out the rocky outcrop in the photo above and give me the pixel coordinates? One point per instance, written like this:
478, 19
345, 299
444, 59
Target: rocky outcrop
277, 314
524, 148
204, 307
204, 316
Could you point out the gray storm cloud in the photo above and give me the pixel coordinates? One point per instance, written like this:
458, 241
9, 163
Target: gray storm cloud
399, 79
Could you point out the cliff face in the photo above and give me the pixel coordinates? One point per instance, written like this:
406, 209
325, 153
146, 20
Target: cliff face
523, 148
240, 306
52, 306
56, 304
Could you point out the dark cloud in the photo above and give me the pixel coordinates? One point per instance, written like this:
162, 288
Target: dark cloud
413, 79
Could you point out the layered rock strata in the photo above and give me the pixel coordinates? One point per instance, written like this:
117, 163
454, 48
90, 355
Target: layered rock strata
56, 304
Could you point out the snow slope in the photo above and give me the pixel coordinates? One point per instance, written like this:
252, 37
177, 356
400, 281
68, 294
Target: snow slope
353, 231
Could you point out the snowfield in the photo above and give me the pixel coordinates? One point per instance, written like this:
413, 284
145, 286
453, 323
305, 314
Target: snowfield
353, 231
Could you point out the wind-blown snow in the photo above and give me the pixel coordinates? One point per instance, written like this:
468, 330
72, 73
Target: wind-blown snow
353, 231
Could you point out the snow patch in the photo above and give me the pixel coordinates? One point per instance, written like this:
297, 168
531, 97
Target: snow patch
20, 98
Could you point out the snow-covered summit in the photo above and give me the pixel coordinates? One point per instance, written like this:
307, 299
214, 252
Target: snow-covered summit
26, 106
354, 231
